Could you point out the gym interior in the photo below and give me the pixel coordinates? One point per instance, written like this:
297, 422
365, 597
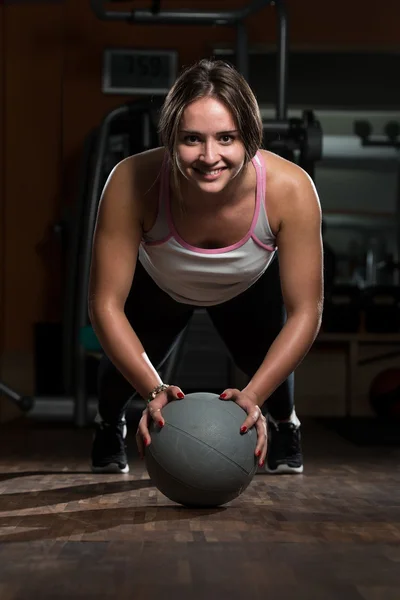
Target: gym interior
81, 83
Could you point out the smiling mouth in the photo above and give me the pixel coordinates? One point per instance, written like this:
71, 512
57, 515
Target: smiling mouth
210, 172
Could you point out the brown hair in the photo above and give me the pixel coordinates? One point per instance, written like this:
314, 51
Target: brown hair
219, 80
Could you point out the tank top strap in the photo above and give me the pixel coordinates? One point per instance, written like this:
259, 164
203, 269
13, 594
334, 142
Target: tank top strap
262, 231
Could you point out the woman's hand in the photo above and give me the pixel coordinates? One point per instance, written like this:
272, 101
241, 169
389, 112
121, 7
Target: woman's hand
254, 418
153, 412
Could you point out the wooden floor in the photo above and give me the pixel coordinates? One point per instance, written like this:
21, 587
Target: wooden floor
331, 533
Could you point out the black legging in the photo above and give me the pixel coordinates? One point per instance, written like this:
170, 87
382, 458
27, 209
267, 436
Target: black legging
248, 324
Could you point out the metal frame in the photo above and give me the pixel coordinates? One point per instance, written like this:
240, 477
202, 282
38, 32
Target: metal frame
227, 18
85, 249
84, 260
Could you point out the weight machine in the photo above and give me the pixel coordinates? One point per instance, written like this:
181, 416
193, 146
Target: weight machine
291, 137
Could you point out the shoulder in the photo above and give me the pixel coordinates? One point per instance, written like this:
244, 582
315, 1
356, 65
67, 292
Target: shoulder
134, 182
132, 186
290, 191
282, 173
142, 169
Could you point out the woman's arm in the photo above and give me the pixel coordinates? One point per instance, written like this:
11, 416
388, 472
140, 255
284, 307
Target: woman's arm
301, 272
115, 249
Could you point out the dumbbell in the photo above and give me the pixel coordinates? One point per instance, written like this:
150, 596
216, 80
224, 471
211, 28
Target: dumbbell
363, 130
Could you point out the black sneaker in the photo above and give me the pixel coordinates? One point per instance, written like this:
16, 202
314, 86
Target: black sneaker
284, 453
108, 449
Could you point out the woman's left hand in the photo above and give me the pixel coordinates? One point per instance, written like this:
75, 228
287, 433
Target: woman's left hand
254, 418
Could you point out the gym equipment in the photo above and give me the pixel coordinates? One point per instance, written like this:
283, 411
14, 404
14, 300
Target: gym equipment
384, 394
382, 309
25, 403
363, 130
200, 458
297, 139
234, 18
296, 135
126, 130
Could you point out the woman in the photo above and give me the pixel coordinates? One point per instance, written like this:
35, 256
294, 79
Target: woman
198, 222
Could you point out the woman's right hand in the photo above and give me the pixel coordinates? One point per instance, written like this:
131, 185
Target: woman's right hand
153, 412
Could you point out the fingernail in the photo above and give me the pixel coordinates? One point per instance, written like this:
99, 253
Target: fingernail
223, 396
258, 453
180, 395
243, 429
146, 443
161, 423
262, 463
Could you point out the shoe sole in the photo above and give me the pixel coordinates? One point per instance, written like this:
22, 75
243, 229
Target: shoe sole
111, 468
284, 470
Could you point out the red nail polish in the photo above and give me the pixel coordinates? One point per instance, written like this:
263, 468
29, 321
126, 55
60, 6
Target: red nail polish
258, 453
161, 423
223, 396
146, 443
243, 429
180, 395
262, 463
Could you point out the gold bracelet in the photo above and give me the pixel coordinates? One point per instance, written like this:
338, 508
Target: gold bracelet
157, 390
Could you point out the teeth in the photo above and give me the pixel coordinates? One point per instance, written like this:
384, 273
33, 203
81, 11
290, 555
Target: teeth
211, 172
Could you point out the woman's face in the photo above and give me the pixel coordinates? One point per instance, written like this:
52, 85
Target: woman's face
210, 151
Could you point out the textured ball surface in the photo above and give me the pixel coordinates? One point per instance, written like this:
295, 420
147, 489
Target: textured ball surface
199, 457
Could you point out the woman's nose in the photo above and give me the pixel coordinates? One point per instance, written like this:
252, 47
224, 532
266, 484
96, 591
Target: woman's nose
210, 152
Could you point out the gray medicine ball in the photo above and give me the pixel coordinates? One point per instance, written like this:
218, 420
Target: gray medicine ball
200, 457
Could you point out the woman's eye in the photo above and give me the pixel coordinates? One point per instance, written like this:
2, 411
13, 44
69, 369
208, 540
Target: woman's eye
225, 139
191, 139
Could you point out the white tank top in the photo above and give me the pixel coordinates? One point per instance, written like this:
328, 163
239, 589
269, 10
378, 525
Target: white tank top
205, 277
